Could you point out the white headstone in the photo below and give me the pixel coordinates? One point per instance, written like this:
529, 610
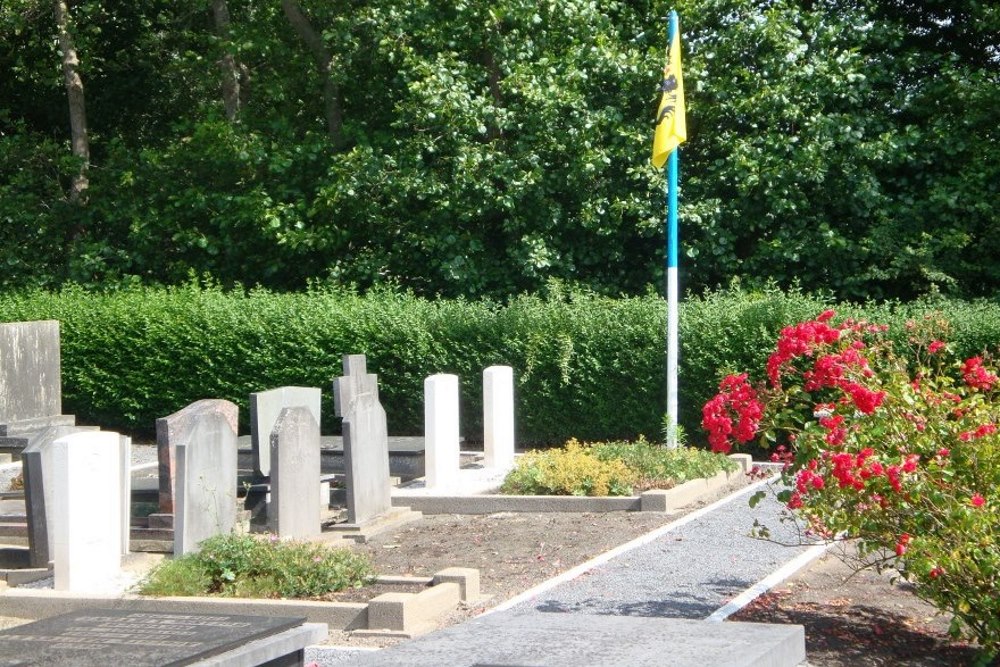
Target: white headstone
441, 430
498, 416
87, 516
293, 511
125, 488
265, 406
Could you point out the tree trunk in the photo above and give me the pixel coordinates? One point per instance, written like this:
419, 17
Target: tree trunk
230, 70
77, 109
324, 60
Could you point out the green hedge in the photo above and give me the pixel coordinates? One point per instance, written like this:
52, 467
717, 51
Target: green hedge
586, 366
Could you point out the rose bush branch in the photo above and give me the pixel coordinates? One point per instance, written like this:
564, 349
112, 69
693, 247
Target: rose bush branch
895, 446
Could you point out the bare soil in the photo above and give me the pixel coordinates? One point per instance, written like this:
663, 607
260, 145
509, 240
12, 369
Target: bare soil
860, 619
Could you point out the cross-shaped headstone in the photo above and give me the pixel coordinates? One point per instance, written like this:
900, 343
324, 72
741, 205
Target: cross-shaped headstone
366, 441
355, 382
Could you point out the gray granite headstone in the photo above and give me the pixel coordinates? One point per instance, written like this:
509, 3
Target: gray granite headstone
30, 376
366, 445
265, 406
30, 383
294, 511
103, 637
200, 442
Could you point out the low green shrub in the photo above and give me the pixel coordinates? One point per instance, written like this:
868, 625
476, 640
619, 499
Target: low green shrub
610, 469
656, 467
259, 566
570, 471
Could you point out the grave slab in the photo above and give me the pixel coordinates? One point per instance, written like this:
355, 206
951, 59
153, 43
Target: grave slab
102, 637
265, 407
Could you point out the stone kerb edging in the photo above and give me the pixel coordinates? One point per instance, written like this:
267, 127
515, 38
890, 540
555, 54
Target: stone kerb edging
657, 500
390, 614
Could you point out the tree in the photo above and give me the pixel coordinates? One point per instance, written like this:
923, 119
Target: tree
230, 71
324, 62
483, 148
77, 104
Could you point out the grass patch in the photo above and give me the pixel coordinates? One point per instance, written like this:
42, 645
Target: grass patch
610, 469
259, 567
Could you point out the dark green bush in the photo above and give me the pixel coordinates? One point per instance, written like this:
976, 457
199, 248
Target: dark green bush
586, 366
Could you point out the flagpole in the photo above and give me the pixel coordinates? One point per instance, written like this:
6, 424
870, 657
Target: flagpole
672, 318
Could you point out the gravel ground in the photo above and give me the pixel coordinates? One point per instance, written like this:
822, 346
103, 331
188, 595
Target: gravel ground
686, 572
685, 569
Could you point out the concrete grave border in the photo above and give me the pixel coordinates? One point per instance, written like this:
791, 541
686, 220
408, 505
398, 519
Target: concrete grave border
396, 614
656, 500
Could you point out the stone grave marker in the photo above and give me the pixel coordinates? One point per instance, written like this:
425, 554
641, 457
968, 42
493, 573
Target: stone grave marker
102, 637
498, 416
441, 430
86, 515
265, 406
197, 456
294, 456
366, 445
37, 465
30, 382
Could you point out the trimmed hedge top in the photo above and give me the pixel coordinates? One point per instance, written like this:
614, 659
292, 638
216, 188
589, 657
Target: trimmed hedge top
585, 366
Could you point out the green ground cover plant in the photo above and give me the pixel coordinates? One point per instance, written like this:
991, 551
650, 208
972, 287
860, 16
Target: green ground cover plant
890, 438
609, 469
242, 565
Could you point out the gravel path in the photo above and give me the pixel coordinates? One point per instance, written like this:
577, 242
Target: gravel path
688, 569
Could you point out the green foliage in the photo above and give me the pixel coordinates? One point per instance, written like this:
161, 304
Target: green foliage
657, 467
895, 444
255, 566
570, 471
488, 147
585, 365
614, 468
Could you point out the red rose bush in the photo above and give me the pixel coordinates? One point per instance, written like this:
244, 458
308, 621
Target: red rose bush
895, 446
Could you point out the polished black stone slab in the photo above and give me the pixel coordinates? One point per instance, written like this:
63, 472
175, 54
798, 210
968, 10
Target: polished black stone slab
105, 637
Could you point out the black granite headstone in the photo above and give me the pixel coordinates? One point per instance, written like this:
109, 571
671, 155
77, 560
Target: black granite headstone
103, 637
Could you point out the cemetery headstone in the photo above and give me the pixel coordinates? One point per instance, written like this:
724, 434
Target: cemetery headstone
198, 444
30, 382
294, 456
101, 637
265, 406
366, 445
441, 430
498, 416
38, 468
86, 518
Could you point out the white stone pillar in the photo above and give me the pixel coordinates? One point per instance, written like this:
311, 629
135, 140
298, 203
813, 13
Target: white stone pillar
441, 432
87, 521
498, 416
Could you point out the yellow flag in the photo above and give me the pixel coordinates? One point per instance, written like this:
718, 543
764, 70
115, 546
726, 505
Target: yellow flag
671, 126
